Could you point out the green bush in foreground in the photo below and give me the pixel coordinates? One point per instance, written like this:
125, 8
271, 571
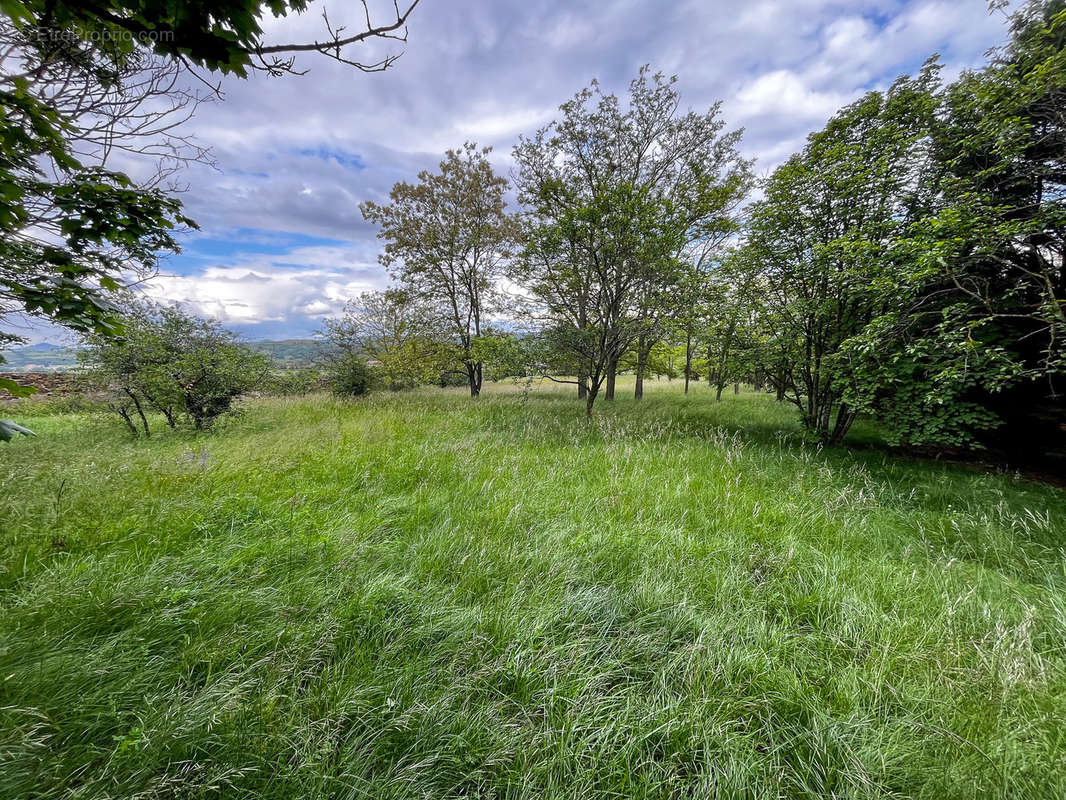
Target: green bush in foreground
416, 597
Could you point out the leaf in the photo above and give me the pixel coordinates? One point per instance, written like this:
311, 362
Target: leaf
16, 11
8, 429
15, 388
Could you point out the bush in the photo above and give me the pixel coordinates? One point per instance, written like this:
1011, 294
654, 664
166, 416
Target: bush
349, 376
291, 382
173, 363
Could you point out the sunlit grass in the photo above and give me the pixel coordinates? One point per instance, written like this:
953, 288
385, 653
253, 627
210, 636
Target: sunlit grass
422, 596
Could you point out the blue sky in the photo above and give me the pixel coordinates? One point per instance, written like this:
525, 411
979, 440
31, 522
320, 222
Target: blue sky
283, 244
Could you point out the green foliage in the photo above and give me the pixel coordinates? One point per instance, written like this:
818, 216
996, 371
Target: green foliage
100, 225
349, 376
173, 363
72, 232
9, 428
821, 243
415, 596
974, 303
617, 197
16, 389
222, 36
400, 335
507, 355
445, 239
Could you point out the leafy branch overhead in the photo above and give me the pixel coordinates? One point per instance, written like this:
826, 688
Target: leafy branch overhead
86, 82
224, 36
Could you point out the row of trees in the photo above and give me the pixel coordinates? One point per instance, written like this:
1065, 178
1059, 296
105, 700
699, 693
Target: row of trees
627, 209
907, 263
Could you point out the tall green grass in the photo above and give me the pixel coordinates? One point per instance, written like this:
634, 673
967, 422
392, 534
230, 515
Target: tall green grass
421, 596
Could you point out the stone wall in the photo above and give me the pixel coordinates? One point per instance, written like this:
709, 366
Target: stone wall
47, 384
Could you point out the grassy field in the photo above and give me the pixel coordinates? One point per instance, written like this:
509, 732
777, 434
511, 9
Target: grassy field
417, 596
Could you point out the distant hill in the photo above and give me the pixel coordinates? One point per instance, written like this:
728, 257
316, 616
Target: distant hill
41, 357
44, 357
291, 353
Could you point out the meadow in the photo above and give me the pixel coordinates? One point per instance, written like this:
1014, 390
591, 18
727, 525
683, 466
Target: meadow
423, 596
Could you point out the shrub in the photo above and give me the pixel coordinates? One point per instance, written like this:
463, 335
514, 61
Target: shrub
291, 382
349, 376
173, 363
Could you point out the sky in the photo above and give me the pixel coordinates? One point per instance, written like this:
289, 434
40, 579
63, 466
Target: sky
282, 244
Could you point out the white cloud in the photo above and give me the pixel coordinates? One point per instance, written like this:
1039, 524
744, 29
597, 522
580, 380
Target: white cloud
305, 282
785, 93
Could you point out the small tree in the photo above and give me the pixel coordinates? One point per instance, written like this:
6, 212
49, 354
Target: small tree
445, 239
619, 197
402, 337
173, 363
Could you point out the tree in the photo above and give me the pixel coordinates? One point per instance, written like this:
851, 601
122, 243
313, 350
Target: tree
175, 364
349, 376
969, 351
71, 230
615, 196
823, 240
729, 323
402, 337
446, 238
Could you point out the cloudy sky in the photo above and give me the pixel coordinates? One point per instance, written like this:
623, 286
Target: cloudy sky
282, 242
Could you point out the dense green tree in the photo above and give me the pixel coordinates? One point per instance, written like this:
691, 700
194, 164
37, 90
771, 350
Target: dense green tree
972, 332
822, 241
614, 197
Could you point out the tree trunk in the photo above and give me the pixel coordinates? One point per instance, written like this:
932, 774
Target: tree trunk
590, 400
612, 373
688, 358
166, 411
642, 364
582, 386
736, 388
122, 412
845, 416
718, 395
473, 376
140, 412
